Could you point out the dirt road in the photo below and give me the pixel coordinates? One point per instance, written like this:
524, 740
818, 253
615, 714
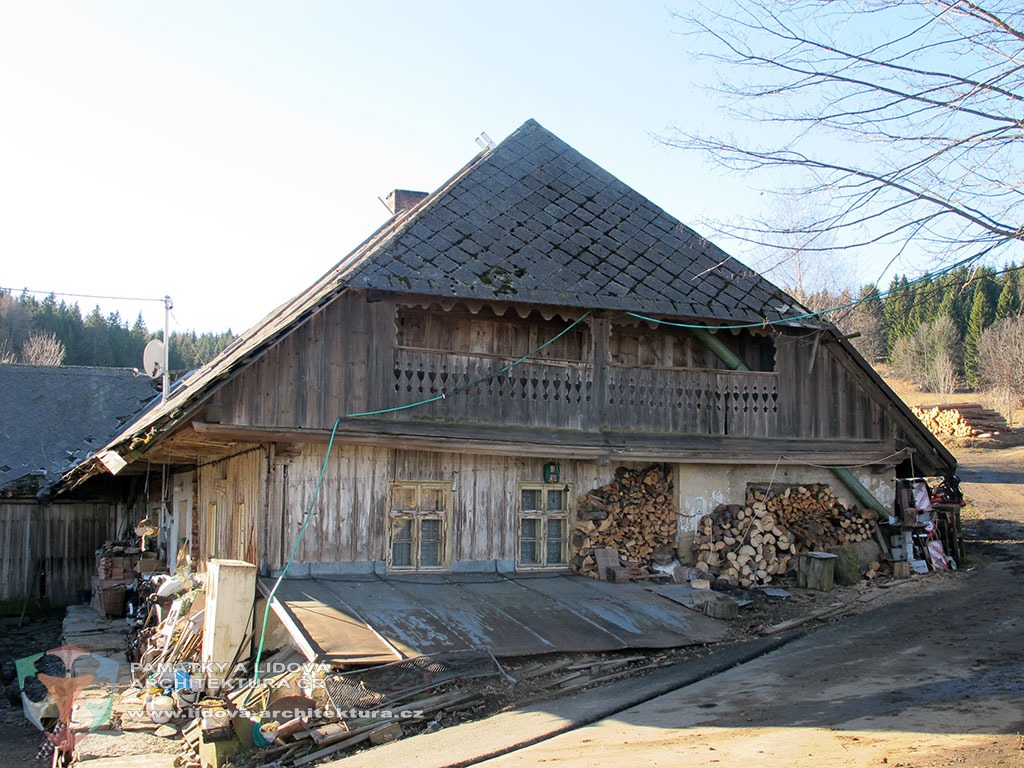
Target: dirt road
934, 677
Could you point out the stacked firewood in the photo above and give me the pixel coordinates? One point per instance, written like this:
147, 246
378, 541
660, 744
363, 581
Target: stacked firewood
749, 544
813, 515
966, 420
634, 515
744, 544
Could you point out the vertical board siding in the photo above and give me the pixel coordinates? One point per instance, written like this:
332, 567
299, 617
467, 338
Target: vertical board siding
236, 486
349, 521
316, 373
822, 395
61, 538
345, 359
17, 564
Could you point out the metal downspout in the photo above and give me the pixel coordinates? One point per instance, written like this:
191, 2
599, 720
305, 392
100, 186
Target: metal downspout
864, 496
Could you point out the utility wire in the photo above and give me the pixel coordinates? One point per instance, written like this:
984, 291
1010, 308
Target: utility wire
80, 295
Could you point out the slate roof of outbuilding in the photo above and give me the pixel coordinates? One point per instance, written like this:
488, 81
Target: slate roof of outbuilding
535, 221
55, 416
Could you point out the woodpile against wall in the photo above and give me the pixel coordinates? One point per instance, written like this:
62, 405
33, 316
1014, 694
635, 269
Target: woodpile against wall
744, 544
965, 420
634, 515
751, 543
813, 515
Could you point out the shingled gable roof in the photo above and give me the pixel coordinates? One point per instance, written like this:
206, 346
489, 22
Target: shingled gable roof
532, 221
535, 221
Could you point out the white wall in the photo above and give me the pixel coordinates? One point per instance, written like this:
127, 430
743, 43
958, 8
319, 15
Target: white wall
702, 487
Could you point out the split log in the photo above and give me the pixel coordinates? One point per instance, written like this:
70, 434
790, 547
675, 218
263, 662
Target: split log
634, 515
750, 544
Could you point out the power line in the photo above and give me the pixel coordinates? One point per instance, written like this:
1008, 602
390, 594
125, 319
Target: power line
80, 295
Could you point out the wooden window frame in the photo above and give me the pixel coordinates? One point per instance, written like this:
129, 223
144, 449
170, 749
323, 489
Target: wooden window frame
211, 530
544, 516
417, 514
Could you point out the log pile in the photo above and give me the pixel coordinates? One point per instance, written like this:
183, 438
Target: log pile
744, 544
634, 514
749, 544
813, 515
965, 420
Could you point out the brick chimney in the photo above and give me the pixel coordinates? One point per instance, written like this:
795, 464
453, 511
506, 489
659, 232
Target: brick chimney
401, 200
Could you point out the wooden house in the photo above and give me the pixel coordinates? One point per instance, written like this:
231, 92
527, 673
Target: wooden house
54, 417
442, 396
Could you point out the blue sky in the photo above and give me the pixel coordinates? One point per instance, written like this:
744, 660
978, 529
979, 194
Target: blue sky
228, 153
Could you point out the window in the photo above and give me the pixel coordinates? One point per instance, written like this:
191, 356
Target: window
418, 524
543, 525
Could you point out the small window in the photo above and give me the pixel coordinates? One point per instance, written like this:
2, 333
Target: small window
543, 526
418, 520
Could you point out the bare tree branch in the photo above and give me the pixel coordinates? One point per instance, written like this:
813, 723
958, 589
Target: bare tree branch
42, 349
907, 116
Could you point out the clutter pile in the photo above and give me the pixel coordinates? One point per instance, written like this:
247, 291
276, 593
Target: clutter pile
289, 711
296, 712
926, 532
117, 565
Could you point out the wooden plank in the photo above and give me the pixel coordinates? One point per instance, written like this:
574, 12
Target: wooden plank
228, 620
595, 414
323, 626
568, 444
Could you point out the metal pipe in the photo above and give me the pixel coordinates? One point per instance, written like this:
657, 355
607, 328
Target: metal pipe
723, 352
167, 347
863, 495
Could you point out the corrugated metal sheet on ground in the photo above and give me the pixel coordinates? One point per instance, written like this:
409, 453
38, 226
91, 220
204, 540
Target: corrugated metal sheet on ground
369, 620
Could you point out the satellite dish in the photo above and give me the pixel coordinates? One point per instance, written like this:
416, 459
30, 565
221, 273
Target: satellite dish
153, 358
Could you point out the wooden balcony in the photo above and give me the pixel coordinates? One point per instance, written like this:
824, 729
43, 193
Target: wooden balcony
564, 395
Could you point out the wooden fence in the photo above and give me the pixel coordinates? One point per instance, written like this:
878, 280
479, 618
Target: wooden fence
60, 540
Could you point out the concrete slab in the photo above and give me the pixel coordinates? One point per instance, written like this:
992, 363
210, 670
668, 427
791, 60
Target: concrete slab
86, 629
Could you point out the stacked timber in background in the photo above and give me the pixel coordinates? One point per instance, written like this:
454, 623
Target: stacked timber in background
749, 544
634, 515
963, 420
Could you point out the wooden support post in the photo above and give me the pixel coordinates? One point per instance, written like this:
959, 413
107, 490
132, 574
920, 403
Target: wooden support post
214, 754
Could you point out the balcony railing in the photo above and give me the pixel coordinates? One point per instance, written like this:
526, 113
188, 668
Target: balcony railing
564, 395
